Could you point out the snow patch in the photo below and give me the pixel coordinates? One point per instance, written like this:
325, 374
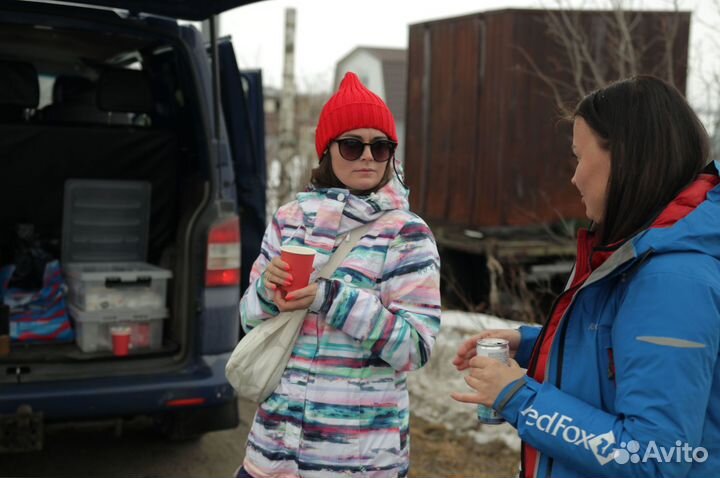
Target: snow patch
430, 387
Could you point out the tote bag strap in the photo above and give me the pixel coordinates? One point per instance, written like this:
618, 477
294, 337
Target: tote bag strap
346, 245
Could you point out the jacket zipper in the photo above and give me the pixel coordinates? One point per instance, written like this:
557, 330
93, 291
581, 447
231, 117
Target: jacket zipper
561, 356
533, 365
561, 344
563, 333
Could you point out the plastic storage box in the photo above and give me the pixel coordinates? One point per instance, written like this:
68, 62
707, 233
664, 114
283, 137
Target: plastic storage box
105, 221
104, 249
96, 286
93, 328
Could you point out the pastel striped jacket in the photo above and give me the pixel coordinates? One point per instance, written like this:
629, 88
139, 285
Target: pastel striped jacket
341, 408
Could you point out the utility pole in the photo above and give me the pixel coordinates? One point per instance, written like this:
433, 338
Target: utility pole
288, 139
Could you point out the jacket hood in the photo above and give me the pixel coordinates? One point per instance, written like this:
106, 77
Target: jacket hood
697, 231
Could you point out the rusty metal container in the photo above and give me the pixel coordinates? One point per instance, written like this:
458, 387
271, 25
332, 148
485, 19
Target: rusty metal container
485, 147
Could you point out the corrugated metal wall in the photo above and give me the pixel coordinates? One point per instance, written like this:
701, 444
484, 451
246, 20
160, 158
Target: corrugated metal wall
485, 146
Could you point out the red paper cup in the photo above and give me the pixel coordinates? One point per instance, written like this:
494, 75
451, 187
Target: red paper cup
300, 259
120, 340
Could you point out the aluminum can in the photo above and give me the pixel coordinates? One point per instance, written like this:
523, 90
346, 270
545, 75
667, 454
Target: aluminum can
498, 349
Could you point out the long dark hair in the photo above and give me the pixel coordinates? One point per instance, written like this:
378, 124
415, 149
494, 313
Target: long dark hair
657, 147
324, 177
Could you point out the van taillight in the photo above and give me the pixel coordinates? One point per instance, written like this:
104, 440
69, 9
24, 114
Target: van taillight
223, 258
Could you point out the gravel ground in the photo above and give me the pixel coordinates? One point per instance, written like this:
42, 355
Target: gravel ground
72, 451
437, 452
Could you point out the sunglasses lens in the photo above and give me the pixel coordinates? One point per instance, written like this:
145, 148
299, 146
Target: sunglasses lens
350, 149
382, 150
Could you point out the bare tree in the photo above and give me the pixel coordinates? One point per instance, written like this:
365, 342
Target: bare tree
309, 105
707, 98
291, 144
598, 47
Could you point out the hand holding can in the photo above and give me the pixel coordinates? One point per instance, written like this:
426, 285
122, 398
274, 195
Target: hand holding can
498, 349
468, 349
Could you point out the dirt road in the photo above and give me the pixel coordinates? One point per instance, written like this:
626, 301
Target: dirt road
74, 451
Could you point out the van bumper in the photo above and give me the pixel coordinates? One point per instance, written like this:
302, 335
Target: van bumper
201, 387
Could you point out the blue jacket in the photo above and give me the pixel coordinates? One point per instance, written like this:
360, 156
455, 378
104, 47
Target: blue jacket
632, 386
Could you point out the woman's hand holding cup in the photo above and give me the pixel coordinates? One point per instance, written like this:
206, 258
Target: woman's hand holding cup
277, 274
289, 275
297, 299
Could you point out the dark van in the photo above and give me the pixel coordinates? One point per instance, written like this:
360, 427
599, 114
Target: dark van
106, 93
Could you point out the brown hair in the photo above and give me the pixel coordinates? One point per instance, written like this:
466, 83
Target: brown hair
657, 147
324, 177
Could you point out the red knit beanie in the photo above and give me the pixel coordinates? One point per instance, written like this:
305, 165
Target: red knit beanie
352, 107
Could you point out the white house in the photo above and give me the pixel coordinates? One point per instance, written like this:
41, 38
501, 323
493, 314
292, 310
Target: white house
384, 71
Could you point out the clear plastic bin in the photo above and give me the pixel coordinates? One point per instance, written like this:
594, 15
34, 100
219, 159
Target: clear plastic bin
92, 329
97, 286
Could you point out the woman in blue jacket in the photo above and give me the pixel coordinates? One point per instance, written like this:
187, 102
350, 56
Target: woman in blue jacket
623, 379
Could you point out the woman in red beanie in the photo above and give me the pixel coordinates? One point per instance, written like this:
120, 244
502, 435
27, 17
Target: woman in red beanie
341, 407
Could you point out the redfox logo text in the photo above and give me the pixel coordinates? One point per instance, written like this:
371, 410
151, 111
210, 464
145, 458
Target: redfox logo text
599, 445
602, 446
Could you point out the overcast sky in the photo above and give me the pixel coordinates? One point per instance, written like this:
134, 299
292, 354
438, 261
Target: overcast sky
329, 29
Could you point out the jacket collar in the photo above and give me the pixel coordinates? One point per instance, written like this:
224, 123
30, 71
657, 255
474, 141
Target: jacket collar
330, 212
691, 222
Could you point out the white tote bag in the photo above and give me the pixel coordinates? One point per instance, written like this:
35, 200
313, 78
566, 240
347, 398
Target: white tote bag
259, 360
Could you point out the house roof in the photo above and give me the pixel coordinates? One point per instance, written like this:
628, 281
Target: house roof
386, 54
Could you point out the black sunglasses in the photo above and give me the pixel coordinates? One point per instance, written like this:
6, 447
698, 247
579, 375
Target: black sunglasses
352, 149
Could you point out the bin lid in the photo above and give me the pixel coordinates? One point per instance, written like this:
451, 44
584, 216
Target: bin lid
123, 271
107, 317
105, 221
